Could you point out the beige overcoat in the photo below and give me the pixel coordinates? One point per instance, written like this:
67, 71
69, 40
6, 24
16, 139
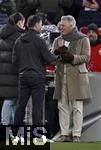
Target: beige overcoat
76, 74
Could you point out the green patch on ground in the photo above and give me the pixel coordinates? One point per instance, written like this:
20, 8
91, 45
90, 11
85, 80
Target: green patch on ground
76, 146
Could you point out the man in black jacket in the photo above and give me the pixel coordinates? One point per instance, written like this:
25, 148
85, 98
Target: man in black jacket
31, 54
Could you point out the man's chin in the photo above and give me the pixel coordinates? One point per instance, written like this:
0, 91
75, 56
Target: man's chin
63, 33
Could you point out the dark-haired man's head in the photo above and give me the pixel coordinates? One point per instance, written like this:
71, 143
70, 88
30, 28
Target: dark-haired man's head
92, 32
17, 19
35, 22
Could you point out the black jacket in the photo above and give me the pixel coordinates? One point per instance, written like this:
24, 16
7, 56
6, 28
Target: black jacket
8, 72
31, 54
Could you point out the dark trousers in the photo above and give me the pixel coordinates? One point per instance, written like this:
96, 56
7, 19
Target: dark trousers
28, 86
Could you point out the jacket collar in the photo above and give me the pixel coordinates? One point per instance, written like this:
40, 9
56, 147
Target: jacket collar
33, 31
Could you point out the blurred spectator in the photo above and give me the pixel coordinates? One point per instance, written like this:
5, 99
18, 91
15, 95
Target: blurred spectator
95, 42
52, 8
75, 7
55, 8
6, 7
14, 6
8, 73
90, 9
27, 7
45, 21
72, 7
92, 4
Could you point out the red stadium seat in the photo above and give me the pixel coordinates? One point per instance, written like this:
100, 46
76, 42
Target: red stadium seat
84, 29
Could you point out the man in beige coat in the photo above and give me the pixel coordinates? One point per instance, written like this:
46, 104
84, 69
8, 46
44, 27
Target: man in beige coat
71, 84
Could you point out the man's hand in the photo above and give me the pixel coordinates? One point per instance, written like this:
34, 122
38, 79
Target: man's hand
61, 50
93, 5
67, 58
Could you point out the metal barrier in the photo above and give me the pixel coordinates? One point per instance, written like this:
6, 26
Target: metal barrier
92, 111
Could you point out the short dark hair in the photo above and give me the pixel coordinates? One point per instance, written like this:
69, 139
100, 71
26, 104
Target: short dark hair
32, 20
15, 17
93, 27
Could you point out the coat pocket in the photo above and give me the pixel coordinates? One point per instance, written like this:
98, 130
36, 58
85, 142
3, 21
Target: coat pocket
82, 68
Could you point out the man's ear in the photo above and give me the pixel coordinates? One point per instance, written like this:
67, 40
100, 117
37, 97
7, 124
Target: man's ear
19, 23
36, 24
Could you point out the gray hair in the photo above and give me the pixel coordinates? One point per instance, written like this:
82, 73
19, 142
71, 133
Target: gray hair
69, 19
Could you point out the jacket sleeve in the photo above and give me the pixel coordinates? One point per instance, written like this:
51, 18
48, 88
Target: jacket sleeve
84, 57
46, 54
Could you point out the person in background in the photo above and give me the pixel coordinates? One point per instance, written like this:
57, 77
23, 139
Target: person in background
6, 9
52, 9
45, 21
71, 83
75, 7
72, 7
92, 4
94, 64
27, 7
8, 72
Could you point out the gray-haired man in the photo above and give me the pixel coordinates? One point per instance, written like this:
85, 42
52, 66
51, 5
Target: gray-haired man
72, 84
